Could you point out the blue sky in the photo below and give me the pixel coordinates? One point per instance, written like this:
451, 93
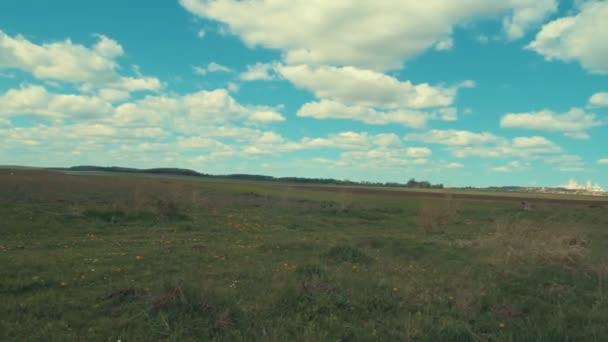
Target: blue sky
462, 93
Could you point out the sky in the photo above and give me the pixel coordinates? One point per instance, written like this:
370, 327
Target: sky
464, 93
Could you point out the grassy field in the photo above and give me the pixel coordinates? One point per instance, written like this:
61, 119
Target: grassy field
108, 258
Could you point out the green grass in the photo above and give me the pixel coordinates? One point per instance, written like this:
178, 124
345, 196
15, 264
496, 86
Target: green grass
178, 259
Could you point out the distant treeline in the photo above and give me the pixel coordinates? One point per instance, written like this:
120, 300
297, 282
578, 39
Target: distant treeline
156, 171
412, 183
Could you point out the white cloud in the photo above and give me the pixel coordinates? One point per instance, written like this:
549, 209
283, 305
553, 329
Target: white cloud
574, 123
233, 87
455, 166
418, 152
259, 72
603, 161
444, 44
521, 147
354, 86
183, 113
566, 162
510, 167
370, 96
526, 15
454, 137
448, 114
113, 95
465, 144
211, 67
190, 110
36, 100
366, 34
327, 109
387, 139
599, 100
198, 142
378, 159
201, 33
93, 136
362, 150
344, 140
66, 61
266, 116
577, 38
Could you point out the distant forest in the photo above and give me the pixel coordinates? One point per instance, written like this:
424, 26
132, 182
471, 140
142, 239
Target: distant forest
412, 183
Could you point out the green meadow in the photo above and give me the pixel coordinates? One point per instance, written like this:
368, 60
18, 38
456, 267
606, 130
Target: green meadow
133, 258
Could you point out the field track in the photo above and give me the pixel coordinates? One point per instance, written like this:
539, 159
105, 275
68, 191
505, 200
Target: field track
600, 203
535, 198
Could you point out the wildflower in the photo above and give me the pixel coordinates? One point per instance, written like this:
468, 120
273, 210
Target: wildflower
395, 289
502, 326
451, 298
63, 283
139, 257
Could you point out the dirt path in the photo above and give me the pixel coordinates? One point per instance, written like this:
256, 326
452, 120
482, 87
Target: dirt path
599, 203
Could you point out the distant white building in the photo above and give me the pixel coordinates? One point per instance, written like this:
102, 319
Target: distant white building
589, 187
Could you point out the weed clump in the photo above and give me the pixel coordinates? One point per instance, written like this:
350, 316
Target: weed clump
179, 309
341, 254
112, 215
434, 214
169, 209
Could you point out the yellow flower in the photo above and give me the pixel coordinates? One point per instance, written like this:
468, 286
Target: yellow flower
502, 326
139, 257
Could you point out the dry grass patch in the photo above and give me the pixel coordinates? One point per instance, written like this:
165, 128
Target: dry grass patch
516, 241
434, 214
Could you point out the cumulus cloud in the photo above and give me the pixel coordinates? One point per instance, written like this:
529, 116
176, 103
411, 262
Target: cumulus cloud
599, 100
526, 15
355, 86
387, 139
510, 167
113, 95
455, 166
211, 67
384, 149
454, 137
578, 38
178, 112
603, 161
327, 109
67, 61
466, 144
62, 60
370, 96
259, 72
574, 123
37, 101
365, 34
70, 62
566, 162
187, 111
